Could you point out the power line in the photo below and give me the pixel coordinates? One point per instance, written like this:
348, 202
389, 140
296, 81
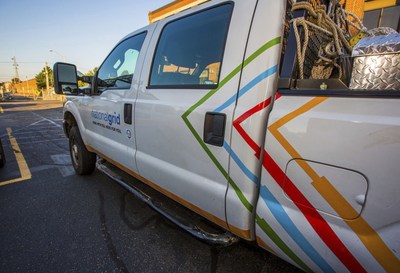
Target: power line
5, 76
23, 62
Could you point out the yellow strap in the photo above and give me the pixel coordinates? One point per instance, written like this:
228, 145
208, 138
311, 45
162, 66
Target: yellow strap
357, 8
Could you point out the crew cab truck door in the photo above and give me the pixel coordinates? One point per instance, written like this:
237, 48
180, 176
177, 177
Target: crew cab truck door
183, 130
255, 96
110, 124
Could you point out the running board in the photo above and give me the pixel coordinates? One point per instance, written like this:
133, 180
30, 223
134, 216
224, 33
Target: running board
220, 238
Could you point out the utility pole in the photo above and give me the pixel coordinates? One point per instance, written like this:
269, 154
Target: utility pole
47, 76
16, 68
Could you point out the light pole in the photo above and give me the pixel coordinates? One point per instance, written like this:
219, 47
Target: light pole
27, 84
58, 53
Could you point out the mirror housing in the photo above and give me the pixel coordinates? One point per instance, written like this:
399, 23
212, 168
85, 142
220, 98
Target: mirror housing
86, 79
65, 79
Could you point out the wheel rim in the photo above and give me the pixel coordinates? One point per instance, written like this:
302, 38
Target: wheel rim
74, 153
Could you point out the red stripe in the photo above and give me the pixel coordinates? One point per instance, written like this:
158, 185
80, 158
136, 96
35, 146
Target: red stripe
318, 223
256, 148
313, 217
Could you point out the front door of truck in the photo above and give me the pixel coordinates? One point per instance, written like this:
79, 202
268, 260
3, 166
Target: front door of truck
184, 110
110, 127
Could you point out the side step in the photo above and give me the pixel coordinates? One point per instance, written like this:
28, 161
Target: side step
215, 236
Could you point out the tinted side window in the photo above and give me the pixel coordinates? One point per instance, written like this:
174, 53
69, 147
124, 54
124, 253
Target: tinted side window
117, 70
190, 50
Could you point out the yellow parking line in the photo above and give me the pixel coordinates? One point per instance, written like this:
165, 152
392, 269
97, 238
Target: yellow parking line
22, 165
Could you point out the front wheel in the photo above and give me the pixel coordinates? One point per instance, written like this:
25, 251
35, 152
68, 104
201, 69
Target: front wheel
83, 161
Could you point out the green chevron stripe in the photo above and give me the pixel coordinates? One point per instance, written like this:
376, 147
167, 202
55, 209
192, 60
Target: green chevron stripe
261, 222
204, 146
241, 196
219, 166
281, 244
261, 50
235, 71
185, 115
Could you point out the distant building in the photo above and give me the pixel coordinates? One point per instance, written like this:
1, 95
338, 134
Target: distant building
25, 88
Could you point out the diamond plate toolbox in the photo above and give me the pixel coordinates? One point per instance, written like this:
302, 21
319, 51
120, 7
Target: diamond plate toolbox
376, 64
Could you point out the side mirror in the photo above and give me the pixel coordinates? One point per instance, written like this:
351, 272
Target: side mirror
65, 79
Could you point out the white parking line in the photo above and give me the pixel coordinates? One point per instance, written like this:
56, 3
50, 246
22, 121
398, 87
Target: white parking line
45, 119
35, 124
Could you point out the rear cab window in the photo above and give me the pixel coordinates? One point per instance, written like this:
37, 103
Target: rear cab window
190, 50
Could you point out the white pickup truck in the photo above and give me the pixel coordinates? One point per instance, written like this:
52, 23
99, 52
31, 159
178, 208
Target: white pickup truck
218, 108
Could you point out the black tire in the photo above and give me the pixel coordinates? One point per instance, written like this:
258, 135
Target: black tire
2, 156
83, 161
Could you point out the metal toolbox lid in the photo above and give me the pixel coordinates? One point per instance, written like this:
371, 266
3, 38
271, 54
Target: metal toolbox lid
376, 45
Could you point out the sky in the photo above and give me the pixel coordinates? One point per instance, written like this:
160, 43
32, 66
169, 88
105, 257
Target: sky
81, 32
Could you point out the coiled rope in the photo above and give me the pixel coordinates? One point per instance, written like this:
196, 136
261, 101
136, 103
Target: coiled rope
319, 22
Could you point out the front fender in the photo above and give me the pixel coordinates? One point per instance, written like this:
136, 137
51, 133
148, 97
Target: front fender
73, 110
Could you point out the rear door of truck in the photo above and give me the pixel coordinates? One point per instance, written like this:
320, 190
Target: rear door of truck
185, 105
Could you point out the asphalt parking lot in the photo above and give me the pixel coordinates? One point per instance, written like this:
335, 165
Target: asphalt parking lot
55, 221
